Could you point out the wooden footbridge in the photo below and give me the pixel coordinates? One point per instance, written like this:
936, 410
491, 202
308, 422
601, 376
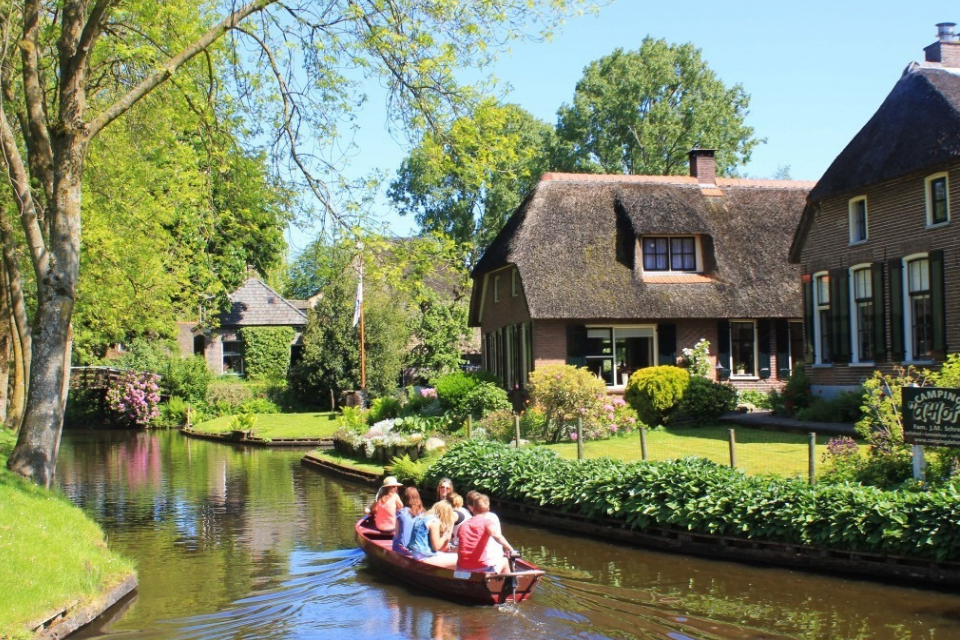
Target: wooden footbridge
93, 377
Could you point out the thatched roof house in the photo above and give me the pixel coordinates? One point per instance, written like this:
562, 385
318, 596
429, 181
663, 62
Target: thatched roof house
666, 259
877, 243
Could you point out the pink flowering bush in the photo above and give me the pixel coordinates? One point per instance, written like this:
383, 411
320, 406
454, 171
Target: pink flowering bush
135, 398
565, 393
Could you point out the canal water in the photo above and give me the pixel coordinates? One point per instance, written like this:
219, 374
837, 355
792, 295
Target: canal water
236, 543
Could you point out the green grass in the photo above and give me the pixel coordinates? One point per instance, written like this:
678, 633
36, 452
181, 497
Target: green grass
53, 555
758, 451
343, 461
281, 425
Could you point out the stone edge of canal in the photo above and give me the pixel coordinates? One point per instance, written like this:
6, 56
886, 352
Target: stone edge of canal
72, 618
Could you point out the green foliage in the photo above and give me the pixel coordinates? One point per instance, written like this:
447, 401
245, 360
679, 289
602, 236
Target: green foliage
173, 413
640, 112
696, 359
845, 407
565, 393
259, 405
654, 392
440, 331
705, 400
484, 398
266, 351
226, 395
758, 399
409, 471
243, 422
188, 378
354, 419
383, 408
703, 497
454, 391
795, 396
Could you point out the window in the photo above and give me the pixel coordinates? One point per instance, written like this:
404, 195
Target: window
821, 318
858, 220
514, 283
919, 309
863, 314
938, 200
613, 353
743, 352
496, 288
670, 253
233, 357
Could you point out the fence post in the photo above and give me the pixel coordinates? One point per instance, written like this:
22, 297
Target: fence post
579, 438
643, 443
733, 449
469, 426
813, 458
516, 429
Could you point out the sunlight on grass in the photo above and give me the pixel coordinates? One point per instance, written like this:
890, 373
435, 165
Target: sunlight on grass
758, 451
343, 461
52, 553
281, 425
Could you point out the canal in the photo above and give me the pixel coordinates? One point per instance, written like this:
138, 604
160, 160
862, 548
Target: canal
235, 543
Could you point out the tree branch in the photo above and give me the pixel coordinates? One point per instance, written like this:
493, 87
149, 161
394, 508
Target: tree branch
38, 142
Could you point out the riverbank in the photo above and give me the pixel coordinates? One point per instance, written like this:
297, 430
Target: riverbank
312, 429
57, 572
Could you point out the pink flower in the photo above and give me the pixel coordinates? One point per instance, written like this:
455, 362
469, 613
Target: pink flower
573, 436
613, 428
608, 407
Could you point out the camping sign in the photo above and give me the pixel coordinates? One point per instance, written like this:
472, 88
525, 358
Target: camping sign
931, 416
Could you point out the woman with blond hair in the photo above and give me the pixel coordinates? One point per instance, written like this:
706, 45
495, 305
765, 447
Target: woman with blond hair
431, 534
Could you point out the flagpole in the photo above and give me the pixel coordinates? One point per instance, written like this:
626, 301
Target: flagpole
363, 357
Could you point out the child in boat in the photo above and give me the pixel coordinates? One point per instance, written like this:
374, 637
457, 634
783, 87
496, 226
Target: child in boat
413, 508
431, 533
456, 501
385, 506
482, 545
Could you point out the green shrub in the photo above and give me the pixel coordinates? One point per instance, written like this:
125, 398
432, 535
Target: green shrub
756, 398
565, 393
383, 409
227, 395
484, 398
845, 407
453, 388
705, 400
409, 471
796, 393
173, 413
354, 419
654, 392
266, 351
259, 405
188, 378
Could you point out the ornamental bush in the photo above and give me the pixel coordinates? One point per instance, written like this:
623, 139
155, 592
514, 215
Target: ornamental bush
266, 351
565, 393
654, 392
134, 398
705, 400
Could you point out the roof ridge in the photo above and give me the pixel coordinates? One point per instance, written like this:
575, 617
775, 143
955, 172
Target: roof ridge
554, 176
271, 290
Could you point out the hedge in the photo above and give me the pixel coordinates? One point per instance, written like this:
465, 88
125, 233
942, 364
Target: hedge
703, 497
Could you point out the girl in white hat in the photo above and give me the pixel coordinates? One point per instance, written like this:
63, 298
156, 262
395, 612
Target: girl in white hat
385, 506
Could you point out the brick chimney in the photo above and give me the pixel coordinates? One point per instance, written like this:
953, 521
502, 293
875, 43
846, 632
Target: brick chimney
703, 166
946, 50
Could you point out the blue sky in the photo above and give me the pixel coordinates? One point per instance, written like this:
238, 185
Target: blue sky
815, 71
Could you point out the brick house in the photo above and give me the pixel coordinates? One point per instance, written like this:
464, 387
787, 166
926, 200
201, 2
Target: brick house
877, 241
616, 273
254, 304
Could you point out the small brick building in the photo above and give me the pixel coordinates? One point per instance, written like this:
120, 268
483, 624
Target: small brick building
254, 304
878, 243
616, 273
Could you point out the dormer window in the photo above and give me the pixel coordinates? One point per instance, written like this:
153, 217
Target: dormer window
858, 220
670, 253
938, 200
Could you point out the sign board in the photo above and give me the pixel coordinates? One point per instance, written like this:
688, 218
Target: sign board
931, 416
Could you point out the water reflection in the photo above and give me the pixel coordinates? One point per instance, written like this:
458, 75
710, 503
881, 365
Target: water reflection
245, 543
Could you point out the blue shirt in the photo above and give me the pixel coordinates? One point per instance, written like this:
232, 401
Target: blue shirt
403, 532
420, 539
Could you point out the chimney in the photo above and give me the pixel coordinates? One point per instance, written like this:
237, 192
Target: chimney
703, 166
946, 50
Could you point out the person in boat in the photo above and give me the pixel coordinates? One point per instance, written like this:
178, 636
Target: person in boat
385, 506
413, 507
456, 501
431, 533
482, 545
444, 488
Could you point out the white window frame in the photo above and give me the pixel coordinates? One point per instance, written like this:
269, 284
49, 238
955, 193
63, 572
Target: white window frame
697, 248
748, 373
855, 356
818, 306
908, 350
633, 328
928, 197
852, 210
496, 288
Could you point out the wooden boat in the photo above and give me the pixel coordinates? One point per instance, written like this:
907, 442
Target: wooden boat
470, 587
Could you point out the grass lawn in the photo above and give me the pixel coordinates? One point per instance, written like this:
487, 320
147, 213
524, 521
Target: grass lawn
52, 553
281, 425
758, 451
343, 461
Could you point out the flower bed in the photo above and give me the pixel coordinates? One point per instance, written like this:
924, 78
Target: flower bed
379, 444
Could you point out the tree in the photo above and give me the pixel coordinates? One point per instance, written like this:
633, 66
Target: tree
466, 181
73, 67
640, 112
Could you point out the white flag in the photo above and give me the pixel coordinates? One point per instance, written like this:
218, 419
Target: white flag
359, 301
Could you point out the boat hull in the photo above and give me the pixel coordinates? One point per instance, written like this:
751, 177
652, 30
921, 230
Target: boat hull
467, 587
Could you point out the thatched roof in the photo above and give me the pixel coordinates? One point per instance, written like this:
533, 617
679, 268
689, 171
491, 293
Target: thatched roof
916, 127
256, 304
563, 240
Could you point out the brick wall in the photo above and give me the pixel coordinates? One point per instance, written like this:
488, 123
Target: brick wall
896, 214
510, 309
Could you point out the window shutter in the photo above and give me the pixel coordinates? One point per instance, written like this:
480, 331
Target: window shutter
879, 326
781, 330
667, 343
723, 349
763, 348
937, 303
896, 308
808, 338
576, 345
840, 315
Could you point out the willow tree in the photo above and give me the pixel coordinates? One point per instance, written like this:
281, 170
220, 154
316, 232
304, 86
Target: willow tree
70, 68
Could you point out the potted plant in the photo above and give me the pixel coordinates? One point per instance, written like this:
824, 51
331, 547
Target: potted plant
740, 368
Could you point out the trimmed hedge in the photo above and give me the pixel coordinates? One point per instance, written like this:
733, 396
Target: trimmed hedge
704, 497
